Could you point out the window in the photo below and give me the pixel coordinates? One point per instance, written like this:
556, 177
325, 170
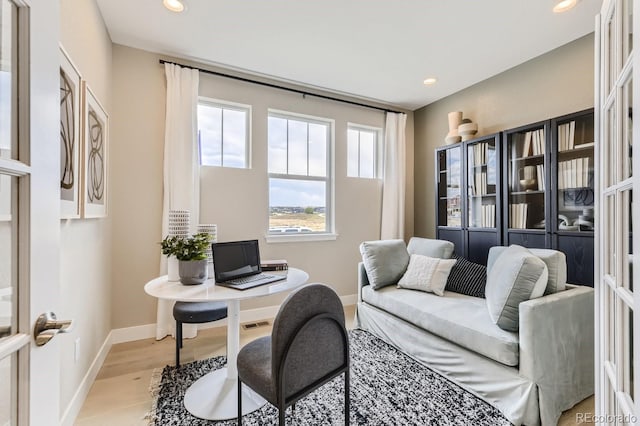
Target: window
362, 151
223, 134
299, 174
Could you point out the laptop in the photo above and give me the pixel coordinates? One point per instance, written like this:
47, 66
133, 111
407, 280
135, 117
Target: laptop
236, 264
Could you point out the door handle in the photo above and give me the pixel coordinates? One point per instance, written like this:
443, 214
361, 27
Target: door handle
47, 326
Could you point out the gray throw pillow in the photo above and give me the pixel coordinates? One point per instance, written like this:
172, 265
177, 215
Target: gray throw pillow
516, 276
385, 261
556, 263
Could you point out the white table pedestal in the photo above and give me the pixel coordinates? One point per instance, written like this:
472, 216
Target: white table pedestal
215, 397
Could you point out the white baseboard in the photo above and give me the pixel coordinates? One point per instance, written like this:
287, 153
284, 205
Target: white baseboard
130, 334
75, 405
148, 331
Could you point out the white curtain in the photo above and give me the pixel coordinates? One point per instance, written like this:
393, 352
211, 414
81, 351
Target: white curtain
181, 170
394, 186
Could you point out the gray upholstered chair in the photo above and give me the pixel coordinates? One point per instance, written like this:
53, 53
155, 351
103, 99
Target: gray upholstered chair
195, 313
308, 346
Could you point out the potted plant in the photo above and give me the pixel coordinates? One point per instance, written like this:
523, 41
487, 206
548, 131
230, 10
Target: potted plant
191, 252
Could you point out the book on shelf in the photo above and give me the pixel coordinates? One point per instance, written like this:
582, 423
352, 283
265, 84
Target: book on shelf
574, 173
540, 141
484, 216
527, 144
488, 216
480, 153
518, 215
540, 173
585, 145
274, 265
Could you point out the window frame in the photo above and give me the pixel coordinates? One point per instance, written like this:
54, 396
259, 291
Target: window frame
235, 106
378, 143
329, 179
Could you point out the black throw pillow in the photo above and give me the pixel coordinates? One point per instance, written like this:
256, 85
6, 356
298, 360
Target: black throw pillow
467, 278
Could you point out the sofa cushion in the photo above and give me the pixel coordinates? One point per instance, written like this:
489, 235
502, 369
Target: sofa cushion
461, 319
516, 276
426, 273
556, 264
442, 249
467, 278
385, 261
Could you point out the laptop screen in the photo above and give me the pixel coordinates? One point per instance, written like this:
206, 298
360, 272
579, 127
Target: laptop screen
235, 259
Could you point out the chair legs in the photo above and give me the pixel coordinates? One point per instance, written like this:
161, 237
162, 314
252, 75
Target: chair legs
178, 342
347, 398
239, 402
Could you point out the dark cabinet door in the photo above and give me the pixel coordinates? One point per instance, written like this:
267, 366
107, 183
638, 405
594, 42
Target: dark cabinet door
456, 236
580, 254
478, 245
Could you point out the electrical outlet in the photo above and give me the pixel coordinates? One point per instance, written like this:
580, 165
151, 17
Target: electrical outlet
76, 351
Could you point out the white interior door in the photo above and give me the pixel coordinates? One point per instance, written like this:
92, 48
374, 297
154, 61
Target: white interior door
29, 208
617, 293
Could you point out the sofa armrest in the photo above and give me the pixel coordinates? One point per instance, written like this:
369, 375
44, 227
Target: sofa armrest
557, 348
363, 280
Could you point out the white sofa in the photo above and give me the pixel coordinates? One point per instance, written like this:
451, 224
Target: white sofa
531, 375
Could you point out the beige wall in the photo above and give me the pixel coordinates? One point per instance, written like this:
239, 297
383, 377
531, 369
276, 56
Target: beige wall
235, 199
557, 83
85, 251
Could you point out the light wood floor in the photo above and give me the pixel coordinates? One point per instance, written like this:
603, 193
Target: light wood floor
120, 395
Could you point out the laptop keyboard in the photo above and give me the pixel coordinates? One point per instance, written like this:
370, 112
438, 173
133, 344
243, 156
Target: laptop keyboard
252, 279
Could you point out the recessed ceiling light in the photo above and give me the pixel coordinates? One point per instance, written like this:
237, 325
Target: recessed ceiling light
173, 5
429, 81
564, 5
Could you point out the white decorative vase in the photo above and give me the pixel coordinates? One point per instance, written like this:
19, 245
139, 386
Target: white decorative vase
172, 268
212, 230
179, 221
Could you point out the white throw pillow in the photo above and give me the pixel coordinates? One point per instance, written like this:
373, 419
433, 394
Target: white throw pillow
426, 274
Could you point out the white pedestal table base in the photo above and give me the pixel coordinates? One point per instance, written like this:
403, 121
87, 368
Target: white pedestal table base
215, 397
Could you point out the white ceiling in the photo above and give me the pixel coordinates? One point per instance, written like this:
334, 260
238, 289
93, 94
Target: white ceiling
374, 49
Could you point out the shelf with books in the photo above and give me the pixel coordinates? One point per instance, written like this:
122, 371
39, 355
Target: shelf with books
473, 221
449, 171
482, 196
525, 177
529, 158
574, 176
531, 192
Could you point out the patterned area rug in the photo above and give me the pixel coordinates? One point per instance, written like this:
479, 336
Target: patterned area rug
387, 388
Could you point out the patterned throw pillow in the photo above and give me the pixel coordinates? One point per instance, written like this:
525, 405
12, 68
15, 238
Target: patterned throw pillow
467, 278
426, 273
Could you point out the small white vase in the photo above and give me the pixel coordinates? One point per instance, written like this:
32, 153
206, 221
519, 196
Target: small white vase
172, 269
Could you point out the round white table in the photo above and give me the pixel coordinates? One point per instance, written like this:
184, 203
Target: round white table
214, 396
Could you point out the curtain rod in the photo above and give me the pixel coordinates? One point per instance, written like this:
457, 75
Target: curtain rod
275, 86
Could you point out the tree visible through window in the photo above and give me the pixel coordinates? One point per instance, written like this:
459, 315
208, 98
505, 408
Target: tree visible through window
299, 174
223, 134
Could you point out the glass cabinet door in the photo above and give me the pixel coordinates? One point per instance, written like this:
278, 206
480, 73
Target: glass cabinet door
482, 178
449, 187
575, 174
526, 178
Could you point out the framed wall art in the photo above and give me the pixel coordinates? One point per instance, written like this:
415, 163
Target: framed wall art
95, 149
70, 182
